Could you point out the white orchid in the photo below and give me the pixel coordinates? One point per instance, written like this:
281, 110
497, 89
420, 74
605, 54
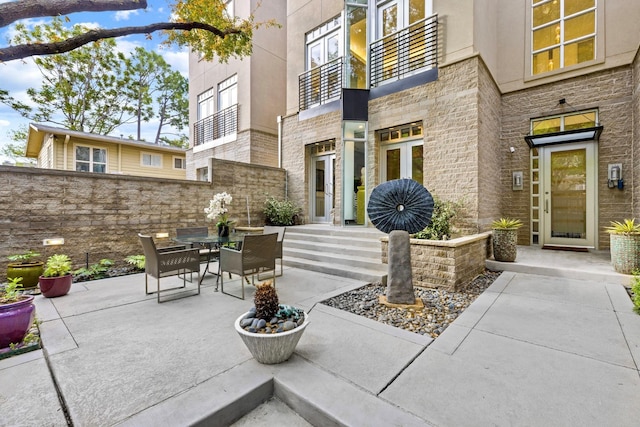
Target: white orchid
218, 208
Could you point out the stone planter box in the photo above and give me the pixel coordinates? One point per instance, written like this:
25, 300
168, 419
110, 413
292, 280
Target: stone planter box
446, 264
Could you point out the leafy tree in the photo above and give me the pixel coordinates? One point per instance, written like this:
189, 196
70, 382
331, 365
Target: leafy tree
200, 24
97, 89
16, 149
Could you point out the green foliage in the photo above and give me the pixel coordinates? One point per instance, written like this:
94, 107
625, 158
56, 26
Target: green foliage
57, 265
23, 258
95, 271
635, 288
627, 227
441, 220
506, 224
136, 260
280, 212
96, 88
11, 293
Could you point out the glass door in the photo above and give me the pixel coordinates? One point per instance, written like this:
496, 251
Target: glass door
403, 160
323, 188
568, 190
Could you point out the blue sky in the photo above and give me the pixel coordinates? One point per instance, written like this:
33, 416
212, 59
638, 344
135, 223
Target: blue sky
19, 75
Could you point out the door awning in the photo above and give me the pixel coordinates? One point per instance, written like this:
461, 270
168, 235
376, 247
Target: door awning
564, 137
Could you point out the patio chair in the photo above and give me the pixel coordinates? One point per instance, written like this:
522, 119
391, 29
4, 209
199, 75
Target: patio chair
257, 254
169, 261
198, 232
268, 229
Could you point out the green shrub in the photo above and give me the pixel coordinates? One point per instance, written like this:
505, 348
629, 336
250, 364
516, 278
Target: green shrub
441, 220
95, 271
635, 288
280, 212
136, 260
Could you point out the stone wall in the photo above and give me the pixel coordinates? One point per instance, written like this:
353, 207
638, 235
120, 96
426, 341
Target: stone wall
610, 92
446, 264
101, 214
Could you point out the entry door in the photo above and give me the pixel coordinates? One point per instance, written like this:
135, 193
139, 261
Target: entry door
323, 187
568, 190
403, 160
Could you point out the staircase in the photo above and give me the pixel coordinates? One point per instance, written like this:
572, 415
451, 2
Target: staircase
352, 252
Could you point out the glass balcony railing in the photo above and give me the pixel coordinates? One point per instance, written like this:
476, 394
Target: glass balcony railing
218, 125
405, 52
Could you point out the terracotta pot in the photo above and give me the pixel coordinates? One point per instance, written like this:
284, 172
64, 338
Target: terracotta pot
30, 272
15, 320
504, 244
271, 348
52, 287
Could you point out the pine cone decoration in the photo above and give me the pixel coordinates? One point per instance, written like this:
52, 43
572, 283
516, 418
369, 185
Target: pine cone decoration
266, 301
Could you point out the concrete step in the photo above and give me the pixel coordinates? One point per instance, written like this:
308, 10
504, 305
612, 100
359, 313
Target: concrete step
366, 274
371, 252
345, 239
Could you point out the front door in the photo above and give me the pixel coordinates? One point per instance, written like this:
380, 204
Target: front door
323, 188
568, 195
402, 160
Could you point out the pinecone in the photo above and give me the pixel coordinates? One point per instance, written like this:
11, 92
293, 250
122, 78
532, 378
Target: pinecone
266, 301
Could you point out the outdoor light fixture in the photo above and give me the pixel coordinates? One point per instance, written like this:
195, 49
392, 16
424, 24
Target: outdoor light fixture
563, 137
162, 235
56, 241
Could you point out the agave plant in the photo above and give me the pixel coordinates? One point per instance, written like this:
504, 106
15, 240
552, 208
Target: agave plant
626, 228
506, 224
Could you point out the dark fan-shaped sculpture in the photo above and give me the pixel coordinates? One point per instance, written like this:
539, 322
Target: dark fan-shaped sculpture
400, 204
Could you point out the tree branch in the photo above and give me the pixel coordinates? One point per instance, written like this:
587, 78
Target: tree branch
24, 50
16, 10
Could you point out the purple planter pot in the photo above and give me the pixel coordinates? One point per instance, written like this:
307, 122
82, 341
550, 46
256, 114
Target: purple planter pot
52, 287
15, 320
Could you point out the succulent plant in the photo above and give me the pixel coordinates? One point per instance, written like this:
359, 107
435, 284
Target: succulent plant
506, 224
266, 301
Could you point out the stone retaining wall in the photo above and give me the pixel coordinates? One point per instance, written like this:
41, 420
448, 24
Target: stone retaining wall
446, 264
99, 215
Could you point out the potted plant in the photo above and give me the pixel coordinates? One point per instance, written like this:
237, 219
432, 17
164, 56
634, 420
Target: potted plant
624, 238
271, 330
280, 213
505, 239
24, 265
56, 279
217, 210
16, 313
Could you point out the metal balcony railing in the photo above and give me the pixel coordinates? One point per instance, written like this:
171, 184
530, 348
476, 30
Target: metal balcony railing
321, 84
222, 123
405, 51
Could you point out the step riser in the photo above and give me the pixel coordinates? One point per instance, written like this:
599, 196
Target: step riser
337, 260
336, 271
347, 240
367, 253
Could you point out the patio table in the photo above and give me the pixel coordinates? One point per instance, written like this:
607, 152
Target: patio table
211, 242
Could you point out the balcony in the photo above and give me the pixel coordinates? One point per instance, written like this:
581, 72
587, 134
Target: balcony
405, 52
321, 84
216, 126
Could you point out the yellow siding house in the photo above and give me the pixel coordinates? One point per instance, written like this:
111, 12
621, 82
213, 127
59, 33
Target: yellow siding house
58, 148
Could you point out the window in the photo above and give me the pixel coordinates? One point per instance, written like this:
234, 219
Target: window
179, 163
205, 104
203, 174
228, 93
564, 122
324, 50
151, 160
90, 159
563, 33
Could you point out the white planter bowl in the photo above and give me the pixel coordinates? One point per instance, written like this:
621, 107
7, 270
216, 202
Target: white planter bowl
271, 348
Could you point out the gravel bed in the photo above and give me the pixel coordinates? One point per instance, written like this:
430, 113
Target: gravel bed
441, 307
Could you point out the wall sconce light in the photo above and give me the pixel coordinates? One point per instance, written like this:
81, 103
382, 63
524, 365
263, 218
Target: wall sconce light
162, 235
56, 241
516, 182
512, 149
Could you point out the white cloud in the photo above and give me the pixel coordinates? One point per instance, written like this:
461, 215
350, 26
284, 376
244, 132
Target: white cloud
4, 123
179, 61
125, 15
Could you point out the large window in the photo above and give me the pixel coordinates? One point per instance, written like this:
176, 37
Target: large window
205, 104
151, 160
228, 93
324, 50
563, 33
89, 159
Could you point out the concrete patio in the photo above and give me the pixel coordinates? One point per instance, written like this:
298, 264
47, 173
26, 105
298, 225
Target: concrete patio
534, 349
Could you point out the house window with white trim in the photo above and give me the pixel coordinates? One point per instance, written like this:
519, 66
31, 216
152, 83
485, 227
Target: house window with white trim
563, 33
179, 163
151, 160
91, 159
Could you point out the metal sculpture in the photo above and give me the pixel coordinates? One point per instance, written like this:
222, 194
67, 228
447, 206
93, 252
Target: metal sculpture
400, 207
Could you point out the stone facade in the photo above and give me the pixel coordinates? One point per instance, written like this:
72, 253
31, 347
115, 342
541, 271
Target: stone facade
446, 264
99, 215
611, 92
